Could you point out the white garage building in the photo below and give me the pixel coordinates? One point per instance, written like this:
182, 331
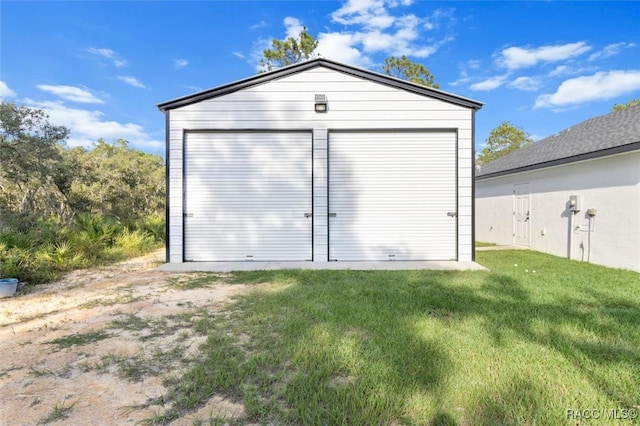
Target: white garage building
320, 162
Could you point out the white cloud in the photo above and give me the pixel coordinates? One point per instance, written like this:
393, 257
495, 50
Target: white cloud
132, 81
238, 54
490, 83
464, 79
260, 24
528, 84
180, 63
340, 47
368, 13
380, 32
373, 30
88, 126
561, 70
71, 93
5, 92
294, 27
522, 57
474, 64
107, 53
600, 86
610, 50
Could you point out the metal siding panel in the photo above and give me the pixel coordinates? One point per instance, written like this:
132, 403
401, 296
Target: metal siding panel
391, 192
246, 195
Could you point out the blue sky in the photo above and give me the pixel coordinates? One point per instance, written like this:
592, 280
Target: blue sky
100, 67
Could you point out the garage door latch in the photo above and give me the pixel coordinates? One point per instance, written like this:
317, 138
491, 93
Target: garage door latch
452, 214
188, 214
308, 214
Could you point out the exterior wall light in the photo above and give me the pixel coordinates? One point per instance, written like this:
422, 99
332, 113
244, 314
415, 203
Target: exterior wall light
321, 103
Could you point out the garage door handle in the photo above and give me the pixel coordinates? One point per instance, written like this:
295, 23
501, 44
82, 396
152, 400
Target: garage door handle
333, 214
308, 214
452, 214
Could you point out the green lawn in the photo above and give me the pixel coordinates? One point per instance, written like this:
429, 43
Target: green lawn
534, 337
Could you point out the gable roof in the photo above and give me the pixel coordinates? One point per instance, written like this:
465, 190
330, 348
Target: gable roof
319, 62
608, 134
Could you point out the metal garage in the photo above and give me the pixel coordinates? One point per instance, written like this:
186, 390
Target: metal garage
320, 162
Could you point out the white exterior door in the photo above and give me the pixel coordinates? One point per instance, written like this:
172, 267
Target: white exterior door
521, 214
392, 195
247, 196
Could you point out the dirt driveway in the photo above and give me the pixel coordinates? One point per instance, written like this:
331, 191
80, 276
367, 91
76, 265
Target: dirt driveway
94, 347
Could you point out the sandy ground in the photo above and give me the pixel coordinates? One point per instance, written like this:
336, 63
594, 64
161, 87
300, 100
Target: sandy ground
42, 382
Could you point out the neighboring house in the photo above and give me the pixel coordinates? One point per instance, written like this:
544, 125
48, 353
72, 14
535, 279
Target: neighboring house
573, 194
320, 161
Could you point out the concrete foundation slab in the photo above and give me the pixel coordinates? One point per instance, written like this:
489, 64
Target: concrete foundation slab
356, 266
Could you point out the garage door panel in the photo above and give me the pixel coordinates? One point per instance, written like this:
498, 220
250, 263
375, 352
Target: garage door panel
246, 195
391, 193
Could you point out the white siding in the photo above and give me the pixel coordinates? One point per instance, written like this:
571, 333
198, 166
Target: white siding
248, 196
391, 193
611, 185
288, 104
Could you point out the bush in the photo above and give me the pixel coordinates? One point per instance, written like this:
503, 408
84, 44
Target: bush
43, 252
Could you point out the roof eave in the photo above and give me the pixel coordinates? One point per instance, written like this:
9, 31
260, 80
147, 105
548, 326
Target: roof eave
566, 160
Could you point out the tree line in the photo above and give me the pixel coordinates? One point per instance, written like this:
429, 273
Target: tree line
64, 207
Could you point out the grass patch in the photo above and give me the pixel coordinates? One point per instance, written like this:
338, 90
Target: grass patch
481, 244
79, 339
519, 344
59, 411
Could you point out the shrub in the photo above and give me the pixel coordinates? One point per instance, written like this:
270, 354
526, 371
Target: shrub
41, 253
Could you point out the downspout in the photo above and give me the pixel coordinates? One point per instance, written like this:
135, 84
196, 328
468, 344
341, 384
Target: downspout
571, 212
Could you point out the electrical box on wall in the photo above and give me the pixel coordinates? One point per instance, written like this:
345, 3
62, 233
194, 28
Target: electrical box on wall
575, 203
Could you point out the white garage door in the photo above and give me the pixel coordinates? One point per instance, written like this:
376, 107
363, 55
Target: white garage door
248, 196
392, 196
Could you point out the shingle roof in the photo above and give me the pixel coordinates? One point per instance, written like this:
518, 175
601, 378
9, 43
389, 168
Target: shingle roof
295, 68
599, 136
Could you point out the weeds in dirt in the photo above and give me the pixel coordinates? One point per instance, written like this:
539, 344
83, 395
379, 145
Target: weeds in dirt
59, 411
64, 372
79, 339
199, 321
191, 283
134, 368
6, 372
36, 401
119, 300
36, 372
